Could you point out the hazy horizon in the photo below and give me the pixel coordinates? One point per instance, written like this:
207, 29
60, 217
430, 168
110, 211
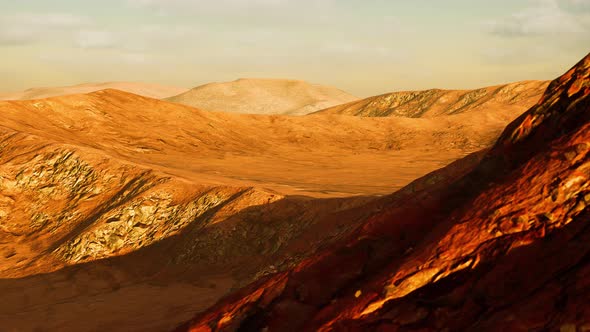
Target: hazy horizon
365, 48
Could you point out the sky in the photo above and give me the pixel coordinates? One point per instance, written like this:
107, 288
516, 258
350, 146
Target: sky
365, 47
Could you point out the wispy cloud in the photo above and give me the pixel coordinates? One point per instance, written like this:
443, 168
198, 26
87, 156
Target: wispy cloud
82, 32
222, 3
543, 17
96, 39
23, 28
143, 38
15, 35
285, 9
111, 58
49, 20
577, 5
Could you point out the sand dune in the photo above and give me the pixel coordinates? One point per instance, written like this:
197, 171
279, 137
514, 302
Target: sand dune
263, 96
517, 97
143, 89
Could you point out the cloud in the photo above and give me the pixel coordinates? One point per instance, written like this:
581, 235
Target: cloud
15, 35
546, 17
143, 38
68, 30
575, 5
96, 39
106, 57
282, 8
24, 28
220, 3
49, 20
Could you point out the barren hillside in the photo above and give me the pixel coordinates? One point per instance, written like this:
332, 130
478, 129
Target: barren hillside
517, 97
263, 96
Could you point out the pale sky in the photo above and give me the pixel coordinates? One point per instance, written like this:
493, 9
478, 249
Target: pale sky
365, 47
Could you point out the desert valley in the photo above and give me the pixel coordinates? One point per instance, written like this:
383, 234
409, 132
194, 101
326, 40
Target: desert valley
282, 205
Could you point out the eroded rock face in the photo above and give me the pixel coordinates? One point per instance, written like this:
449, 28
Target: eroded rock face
69, 205
142, 221
502, 247
517, 96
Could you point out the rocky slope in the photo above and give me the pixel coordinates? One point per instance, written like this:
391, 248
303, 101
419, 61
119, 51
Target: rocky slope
517, 97
263, 96
143, 89
499, 245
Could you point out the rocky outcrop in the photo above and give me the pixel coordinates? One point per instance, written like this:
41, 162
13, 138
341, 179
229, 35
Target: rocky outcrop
77, 206
517, 97
502, 246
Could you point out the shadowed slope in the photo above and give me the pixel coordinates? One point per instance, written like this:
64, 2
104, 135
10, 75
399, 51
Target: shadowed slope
92, 242
503, 247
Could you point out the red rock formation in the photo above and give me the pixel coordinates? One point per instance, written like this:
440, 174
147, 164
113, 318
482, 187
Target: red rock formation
504, 245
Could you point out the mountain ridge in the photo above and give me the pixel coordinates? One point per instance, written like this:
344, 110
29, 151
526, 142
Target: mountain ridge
518, 96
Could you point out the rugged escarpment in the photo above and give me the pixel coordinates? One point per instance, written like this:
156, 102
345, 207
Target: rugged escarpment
517, 97
502, 246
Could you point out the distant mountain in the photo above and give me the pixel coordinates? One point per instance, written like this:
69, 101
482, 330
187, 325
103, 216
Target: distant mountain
517, 96
263, 96
143, 89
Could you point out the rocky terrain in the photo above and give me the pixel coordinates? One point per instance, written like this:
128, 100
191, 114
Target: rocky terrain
143, 89
122, 212
499, 243
88, 240
517, 97
263, 96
